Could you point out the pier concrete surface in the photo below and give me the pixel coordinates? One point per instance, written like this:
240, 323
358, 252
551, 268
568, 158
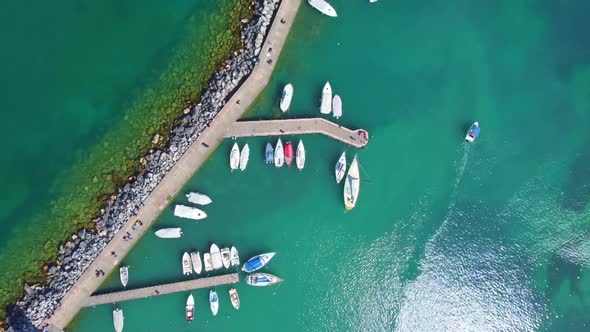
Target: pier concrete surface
182, 171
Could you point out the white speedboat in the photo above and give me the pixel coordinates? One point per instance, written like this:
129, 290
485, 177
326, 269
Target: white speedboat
324, 7
216, 257
234, 157
225, 259
188, 212
118, 319
351, 185
235, 299
214, 302
300, 155
244, 156
190, 308
198, 198
196, 261
472, 133
326, 107
234, 257
337, 107
208, 262
124, 275
341, 167
186, 264
262, 279
279, 154
286, 97
371, 1
169, 233
257, 262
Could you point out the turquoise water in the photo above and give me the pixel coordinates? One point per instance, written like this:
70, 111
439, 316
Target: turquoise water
446, 236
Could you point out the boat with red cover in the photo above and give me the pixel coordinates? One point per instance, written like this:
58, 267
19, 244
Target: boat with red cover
289, 153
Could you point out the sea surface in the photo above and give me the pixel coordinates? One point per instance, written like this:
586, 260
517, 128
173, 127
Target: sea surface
446, 236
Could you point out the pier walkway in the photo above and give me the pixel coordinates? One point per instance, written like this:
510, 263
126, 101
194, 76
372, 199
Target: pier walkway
176, 287
357, 138
182, 171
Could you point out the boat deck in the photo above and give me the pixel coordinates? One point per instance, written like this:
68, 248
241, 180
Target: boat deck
175, 287
354, 138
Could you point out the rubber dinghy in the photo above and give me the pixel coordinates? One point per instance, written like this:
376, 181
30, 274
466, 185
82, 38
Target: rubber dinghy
472, 133
257, 262
262, 279
269, 154
352, 185
124, 275
326, 107
279, 154
188, 212
324, 7
118, 319
234, 157
286, 97
341, 167
300, 155
198, 198
244, 157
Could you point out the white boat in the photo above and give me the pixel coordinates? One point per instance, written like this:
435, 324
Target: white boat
214, 302
262, 279
189, 212
371, 1
190, 308
235, 299
196, 261
286, 97
337, 107
244, 156
198, 198
326, 107
341, 167
324, 7
225, 257
300, 155
257, 262
216, 257
234, 257
186, 264
169, 233
208, 262
124, 275
351, 185
234, 157
279, 154
118, 319
473, 132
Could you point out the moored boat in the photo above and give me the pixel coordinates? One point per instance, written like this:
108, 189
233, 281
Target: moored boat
234, 257
124, 275
208, 262
352, 185
198, 198
472, 133
244, 157
286, 97
324, 7
188, 212
300, 155
326, 106
262, 279
235, 298
279, 154
341, 167
257, 262
190, 308
216, 257
169, 233
234, 157
213, 302
225, 257
196, 261
186, 264
289, 153
337, 107
118, 319
269, 154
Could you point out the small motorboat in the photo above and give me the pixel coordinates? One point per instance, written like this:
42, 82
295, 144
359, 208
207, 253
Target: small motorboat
286, 97
169, 233
326, 106
257, 262
208, 262
235, 299
213, 302
324, 7
186, 264
279, 154
216, 257
341, 167
124, 275
472, 133
244, 156
234, 257
300, 155
190, 308
198, 198
196, 261
337, 107
225, 259
118, 319
262, 279
188, 212
352, 185
289, 153
234, 157
269, 154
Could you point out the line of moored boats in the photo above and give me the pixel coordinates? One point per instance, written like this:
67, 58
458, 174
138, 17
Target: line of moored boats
279, 155
328, 104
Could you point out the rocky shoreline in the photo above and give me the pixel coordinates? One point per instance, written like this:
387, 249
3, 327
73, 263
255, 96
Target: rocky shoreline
76, 255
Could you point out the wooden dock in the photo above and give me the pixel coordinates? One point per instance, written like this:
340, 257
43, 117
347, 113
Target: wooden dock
175, 287
357, 138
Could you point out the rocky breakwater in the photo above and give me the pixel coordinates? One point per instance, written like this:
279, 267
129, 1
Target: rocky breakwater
76, 255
